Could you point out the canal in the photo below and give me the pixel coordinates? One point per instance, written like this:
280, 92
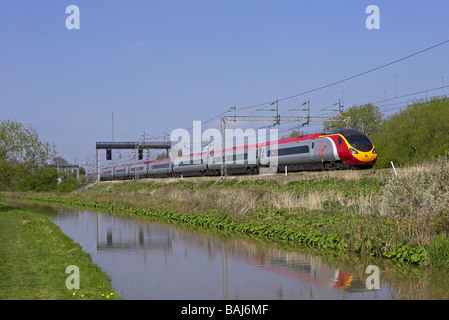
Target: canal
149, 260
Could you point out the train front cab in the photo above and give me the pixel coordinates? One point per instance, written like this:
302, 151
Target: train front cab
354, 148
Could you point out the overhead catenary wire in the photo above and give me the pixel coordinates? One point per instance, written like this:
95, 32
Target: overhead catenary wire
410, 94
332, 83
366, 72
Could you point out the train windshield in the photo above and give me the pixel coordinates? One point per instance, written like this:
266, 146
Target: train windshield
360, 142
356, 139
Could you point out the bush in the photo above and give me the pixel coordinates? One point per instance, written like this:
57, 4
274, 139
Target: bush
415, 134
420, 193
68, 185
43, 180
439, 252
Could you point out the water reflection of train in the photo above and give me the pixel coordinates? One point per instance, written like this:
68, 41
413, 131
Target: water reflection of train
297, 266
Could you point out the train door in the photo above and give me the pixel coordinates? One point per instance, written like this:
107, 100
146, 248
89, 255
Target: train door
319, 148
312, 150
208, 158
263, 158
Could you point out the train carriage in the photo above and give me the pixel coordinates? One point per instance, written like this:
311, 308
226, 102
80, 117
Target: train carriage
160, 168
296, 153
189, 165
121, 172
212, 161
140, 170
107, 173
89, 174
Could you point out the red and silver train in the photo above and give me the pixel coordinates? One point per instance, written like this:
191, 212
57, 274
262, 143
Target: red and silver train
342, 149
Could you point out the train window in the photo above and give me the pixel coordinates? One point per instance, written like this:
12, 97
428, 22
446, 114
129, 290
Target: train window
340, 141
313, 144
360, 142
163, 165
295, 150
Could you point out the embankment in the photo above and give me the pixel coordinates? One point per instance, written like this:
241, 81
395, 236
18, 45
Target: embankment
372, 212
35, 255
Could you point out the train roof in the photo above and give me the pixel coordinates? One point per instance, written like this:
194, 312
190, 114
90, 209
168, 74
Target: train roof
346, 132
299, 138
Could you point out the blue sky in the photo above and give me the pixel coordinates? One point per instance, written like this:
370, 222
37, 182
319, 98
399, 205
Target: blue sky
160, 65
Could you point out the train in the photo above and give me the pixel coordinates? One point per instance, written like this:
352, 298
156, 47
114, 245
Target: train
337, 150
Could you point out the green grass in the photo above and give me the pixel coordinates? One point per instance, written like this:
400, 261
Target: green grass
375, 236
402, 217
34, 255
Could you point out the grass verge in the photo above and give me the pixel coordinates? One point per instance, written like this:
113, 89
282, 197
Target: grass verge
375, 236
402, 217
34, 255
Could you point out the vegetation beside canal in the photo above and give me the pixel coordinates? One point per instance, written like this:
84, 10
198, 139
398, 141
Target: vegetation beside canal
35, 254
404, 217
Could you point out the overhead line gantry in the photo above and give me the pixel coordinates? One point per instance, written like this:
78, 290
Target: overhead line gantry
138, 146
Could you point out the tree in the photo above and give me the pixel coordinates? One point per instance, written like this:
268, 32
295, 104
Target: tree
161, 156
21, 144
365, 118
43, 180
415, 134
294, 133
60, 161
22, 155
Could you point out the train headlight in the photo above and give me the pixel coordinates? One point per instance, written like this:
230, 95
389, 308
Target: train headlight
353, 151
374, 151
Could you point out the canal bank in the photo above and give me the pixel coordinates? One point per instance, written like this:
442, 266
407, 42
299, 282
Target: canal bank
39, 262
363, 212
153, 260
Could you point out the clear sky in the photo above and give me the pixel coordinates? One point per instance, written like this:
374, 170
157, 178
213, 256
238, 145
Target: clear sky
160, 65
